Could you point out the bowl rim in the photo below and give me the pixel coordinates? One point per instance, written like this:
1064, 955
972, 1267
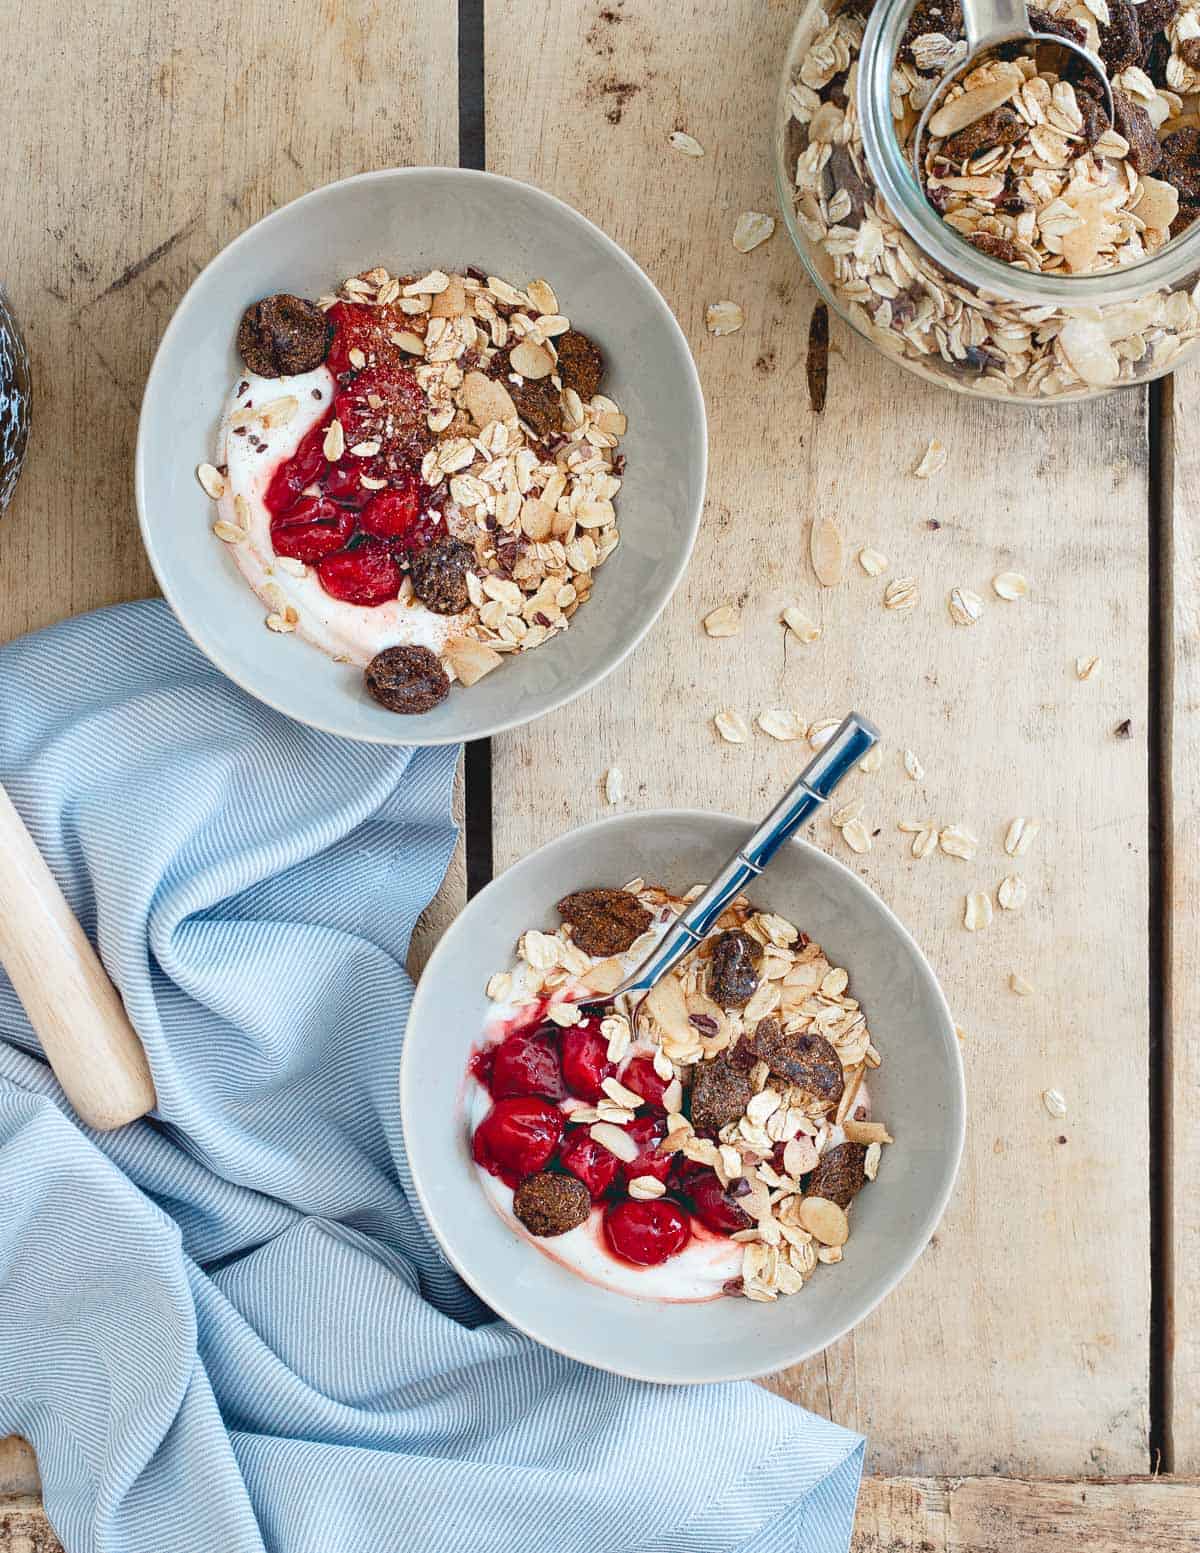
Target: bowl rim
214, 649
935, 1207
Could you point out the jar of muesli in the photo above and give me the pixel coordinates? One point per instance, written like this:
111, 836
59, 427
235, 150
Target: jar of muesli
1044, 253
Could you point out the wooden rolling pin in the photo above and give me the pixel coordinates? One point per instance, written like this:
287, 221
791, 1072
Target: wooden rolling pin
74, 1009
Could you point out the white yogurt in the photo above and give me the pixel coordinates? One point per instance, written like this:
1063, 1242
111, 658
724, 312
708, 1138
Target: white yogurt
351, 633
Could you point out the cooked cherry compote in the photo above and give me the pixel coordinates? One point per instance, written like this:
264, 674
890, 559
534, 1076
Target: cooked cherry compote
538, 1075
357, 519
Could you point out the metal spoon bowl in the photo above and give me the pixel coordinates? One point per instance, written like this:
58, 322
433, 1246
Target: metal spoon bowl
988, 24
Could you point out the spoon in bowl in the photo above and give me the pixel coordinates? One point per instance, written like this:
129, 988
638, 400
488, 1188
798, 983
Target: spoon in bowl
988, 24
852, 739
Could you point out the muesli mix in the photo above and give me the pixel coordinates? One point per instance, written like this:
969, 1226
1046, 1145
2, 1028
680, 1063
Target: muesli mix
418, 473
1024, 163
725, 1129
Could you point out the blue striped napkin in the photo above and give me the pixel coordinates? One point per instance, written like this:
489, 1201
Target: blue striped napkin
228, 1328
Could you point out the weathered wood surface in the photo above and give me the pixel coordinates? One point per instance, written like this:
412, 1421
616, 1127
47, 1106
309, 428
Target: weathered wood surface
928, 1515
969, 1366
1181, 792
184, 126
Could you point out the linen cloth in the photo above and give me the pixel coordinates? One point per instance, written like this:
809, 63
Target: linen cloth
228, 1327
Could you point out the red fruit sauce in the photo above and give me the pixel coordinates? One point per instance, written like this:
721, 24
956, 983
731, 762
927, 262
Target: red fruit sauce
321, 512
536, 1063
647, 1232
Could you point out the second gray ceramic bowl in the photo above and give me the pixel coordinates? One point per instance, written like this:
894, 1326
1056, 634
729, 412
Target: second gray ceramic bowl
918, 1091
418, 218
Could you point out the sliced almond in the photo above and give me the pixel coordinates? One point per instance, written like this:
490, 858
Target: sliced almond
723, 318
732, 727
824, 1221
486, 400
686, 143
408, 341
646, 1188
334, 445
537, 520
541, 295
604, 976
958, 841
873, 562
211, 480
781, 723
751, 228
470, 659
666, 1005
531, 361
866, 1132
827, 552
229, 532
1006, 80
933, 460
799, 1157
616, 1140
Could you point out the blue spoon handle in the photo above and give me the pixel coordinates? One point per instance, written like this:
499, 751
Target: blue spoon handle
854, 737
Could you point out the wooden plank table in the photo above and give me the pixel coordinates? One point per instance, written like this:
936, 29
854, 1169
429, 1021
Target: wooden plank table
1049, 1331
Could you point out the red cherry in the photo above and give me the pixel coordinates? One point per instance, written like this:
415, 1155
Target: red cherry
303, 468
715, 1209
648, 1231
343, 483
367, 574
589, 1160
526, 1063
647, 1132
391, 513
517, 1138
313, 529
643, 1080
585, 1061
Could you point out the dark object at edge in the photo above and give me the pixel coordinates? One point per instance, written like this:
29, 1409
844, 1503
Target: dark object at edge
16, 400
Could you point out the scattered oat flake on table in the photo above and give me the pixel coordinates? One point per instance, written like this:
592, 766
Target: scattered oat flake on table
798, 623
965, 606
1020, 986
782, 724
1086, 667
820, 732
752, 228
847, 812
872, 561
827, 551
925, 842
1053, 1101
977, 912
957, 841
723, 318
900, 594
913, 766
1020, 836
686, 143
960, 1032
856, 836
933, 461
614, 784
725, 620
1010, 586
872, 760
1012, 893
732, 727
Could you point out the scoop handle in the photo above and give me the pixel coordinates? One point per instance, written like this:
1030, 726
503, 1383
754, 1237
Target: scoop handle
994, 21
75, 1011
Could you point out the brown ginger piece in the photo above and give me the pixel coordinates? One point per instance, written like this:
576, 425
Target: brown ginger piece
807, 1061
1002, 127
580, 363
539, 405
733, 968
551, 1204
439, 575
407, 679
720, 1094
604, 922
283, 335
839, 1175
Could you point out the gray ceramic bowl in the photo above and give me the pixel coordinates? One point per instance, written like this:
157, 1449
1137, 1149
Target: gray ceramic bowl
918, 1091
420, 217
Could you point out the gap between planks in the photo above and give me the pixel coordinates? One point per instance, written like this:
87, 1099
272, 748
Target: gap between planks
941, 1515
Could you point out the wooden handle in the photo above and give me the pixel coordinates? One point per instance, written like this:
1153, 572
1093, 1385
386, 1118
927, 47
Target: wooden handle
74, 1009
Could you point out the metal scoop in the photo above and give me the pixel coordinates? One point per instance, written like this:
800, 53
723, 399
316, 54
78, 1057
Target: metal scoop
990, 23
853, 738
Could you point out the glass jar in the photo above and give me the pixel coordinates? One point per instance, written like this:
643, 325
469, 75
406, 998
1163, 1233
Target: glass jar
905, 279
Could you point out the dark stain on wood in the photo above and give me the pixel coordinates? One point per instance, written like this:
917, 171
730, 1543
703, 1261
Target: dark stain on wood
146, 262
817, 365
